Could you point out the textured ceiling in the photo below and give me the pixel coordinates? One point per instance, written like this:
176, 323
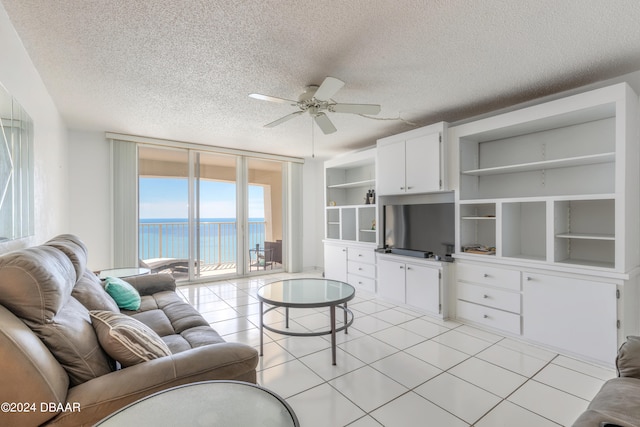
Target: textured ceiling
182, 70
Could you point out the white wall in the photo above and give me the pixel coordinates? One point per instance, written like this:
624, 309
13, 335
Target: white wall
51, 187
90, 198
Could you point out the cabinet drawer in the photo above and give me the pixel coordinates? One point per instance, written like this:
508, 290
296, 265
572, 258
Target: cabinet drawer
490, 317
362, 283
361, 255
503, 300
361, 269
508, 279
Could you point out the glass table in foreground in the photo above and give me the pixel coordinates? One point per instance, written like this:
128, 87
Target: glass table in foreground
123, 272
307, 293
207, 403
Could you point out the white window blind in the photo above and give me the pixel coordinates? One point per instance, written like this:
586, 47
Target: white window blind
124, 170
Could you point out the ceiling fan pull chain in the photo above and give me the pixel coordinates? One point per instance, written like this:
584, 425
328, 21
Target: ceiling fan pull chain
313, 142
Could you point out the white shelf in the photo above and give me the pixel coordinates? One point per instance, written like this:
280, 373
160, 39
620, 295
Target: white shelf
355, 184
350, 207
587, 263
586, 236
479, 217
367, 231
527, 257
545, 164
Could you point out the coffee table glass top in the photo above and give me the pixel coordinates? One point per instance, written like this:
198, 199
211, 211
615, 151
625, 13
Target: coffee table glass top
124, 272
208, 403
306, 292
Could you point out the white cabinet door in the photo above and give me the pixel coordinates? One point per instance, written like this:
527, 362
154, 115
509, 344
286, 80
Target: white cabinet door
423, 287
335, 262
572, 314
423, 163
391, 278
391, 168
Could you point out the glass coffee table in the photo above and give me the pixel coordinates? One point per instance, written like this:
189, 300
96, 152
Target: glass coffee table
123, 273
207, 403
307, 293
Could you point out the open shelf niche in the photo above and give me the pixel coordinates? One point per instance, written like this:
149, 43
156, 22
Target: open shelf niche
585, 232
478, 226
560, 178
349, 213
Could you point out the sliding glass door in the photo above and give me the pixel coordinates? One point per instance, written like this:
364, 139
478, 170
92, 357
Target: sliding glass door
163, 210
215, 215
205, 215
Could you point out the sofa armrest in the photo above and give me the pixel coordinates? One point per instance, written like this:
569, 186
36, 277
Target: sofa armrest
104, 395
628, 359
150, 284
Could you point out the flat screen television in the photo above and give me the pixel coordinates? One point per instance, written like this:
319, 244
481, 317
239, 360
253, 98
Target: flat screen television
428, 228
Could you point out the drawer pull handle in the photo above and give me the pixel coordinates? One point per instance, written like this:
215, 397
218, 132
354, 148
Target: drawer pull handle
485, 275
528, 278
408, 268
486, 316
401, 267
360, 268
485, 296
359, 254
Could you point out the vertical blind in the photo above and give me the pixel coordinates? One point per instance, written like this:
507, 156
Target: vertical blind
125, 203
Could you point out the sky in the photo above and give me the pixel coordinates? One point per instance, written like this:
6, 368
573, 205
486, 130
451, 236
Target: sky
168, 198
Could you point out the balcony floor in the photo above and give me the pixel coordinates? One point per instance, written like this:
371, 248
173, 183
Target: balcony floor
214, 270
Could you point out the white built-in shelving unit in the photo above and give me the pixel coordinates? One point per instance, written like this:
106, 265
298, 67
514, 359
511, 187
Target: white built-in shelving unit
350, 222
552, 192
347, 181
551, 183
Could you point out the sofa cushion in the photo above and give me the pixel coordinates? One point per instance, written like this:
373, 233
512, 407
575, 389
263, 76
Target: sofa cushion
70, 337
73, 248
30, 373
89, 291
175, 321
125, 295
36, 282
617, 402
628, 359
156, 319
36, 285
126, 339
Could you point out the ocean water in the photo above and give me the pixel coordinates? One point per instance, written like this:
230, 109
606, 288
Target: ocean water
169, 238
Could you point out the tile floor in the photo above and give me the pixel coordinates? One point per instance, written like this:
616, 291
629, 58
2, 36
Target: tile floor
397, 367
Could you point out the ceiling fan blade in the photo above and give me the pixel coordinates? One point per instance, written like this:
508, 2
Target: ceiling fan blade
355, 108
324, 123
329, 87
283, 119
271, 98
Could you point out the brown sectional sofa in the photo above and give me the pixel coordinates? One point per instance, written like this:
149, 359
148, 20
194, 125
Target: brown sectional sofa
617, 404
54, 370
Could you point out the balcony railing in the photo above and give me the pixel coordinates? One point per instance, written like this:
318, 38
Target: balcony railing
218, 240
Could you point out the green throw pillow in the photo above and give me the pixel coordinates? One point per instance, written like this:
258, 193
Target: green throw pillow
125, 295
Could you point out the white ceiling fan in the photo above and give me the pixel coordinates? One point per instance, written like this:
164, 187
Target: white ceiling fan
317, 101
